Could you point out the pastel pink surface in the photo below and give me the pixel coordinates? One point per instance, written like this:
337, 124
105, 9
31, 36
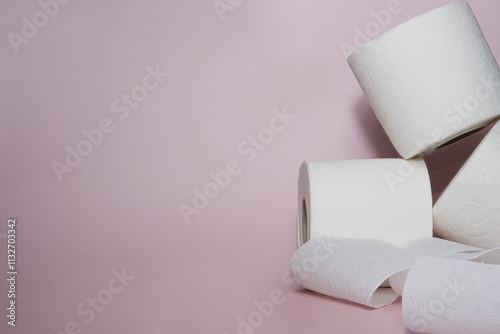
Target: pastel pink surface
120, 207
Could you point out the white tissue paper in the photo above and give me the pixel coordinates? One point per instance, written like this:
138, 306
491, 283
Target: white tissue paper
350, 269
359, 270
442, 248
468, 211
444, 295
430, 79
383, 199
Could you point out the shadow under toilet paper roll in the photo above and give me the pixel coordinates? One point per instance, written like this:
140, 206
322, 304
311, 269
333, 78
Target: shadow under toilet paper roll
431, 80
443, 166
383, 199
468, 211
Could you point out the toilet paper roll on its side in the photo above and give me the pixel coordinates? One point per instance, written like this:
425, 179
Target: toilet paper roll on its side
431, 79
452, 296
350, 269
384, 199
468, 211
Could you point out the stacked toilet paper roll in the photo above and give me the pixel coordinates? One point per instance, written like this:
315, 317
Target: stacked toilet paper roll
431, 79
468, 211
365, 226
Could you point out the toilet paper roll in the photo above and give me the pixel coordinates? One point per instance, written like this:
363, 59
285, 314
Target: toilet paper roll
384, 199
431, 79
452, 296
350, 269
468, 211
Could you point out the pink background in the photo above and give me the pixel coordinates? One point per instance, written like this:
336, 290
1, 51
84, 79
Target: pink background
119, 207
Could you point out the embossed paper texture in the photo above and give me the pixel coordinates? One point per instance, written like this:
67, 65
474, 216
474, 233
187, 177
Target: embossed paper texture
452, 296
468, 211
430, 79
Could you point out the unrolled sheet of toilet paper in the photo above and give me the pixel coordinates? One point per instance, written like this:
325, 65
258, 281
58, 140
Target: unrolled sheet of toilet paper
358, 269
468, 211
439, 247
383, 199
442, 248
350, 269
446, 248
430, 79
443, 295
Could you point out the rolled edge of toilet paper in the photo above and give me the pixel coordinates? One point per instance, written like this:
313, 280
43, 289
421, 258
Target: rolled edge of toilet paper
452, 296
383, 199
349, 269
430, 80
468, 211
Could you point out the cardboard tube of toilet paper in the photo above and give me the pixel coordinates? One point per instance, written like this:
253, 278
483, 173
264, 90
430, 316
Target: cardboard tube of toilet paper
383, 199
350, 269
468, 211
430, 80
452, 296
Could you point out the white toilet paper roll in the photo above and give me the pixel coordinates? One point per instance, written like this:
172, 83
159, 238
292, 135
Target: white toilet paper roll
350, 269
452, 296
468, 211
430, 79
384, 199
